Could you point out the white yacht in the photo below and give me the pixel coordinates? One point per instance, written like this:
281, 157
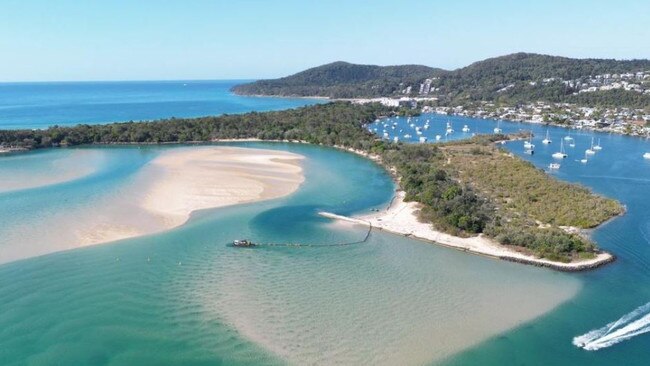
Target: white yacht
498, 129
395, 139
423, 139
591, 151
466, 128
450, 129
407, 136
554, 166
560, 154
547, 140
597, 147
528, 144
568, 137
438, 137
584, 160
646, 155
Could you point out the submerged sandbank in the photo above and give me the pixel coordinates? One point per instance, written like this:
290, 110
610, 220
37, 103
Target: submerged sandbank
179, 182
161, 195
26, 171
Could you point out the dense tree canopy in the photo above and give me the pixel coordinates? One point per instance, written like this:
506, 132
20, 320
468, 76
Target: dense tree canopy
511, 79
341, 80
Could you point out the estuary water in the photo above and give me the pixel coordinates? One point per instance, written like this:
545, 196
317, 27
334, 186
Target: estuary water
43, 104
184, 297
609, 317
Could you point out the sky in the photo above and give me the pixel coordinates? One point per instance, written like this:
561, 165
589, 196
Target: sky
66, 40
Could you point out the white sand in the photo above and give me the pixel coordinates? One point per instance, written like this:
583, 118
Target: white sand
161, 196
401, 218
181, 181
201, 178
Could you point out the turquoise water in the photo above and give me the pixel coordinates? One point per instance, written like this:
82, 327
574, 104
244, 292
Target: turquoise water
184, 297
608, 294
40, 105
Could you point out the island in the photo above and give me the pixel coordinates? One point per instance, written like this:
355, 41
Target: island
465, 189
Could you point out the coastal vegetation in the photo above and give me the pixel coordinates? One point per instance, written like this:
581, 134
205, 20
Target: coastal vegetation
465, 187
340, 80
509, 80
472, 186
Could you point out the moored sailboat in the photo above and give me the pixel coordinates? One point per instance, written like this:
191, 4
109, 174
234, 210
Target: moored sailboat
597, 147
590, 150
498, 129
560, 154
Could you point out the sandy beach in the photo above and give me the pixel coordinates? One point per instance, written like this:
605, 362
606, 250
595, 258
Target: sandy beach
182, 181
163, 195
401, 218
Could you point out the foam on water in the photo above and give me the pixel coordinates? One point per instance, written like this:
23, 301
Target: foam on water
630, 325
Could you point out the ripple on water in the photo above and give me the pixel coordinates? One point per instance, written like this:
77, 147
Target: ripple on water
183, 297
391, 301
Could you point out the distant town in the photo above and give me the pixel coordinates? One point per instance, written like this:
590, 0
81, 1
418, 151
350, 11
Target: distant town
629, 121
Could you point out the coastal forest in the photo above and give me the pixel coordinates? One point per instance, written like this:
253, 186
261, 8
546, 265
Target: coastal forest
341, 80
508, 80
465, 187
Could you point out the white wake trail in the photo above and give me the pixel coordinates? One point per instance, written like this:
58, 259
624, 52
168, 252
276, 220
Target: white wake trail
630, 325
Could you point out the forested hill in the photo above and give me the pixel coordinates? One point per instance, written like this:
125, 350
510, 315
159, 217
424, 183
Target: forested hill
341, 80
515, 78
526, 77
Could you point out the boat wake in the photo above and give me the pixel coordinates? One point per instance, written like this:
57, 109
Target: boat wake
630, 325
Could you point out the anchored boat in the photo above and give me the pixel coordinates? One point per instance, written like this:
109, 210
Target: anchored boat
243, 243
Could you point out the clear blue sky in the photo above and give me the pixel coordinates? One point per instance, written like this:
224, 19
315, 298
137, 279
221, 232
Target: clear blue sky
146, 39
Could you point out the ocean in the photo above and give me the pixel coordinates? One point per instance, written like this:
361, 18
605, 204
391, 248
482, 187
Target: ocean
42, 104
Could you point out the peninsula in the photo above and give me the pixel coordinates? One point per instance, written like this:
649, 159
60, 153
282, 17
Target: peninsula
464, 188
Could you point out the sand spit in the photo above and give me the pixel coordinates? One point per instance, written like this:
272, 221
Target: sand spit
401, 218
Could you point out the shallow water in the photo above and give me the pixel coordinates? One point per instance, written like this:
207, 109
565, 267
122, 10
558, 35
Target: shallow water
184, 297
618, 171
